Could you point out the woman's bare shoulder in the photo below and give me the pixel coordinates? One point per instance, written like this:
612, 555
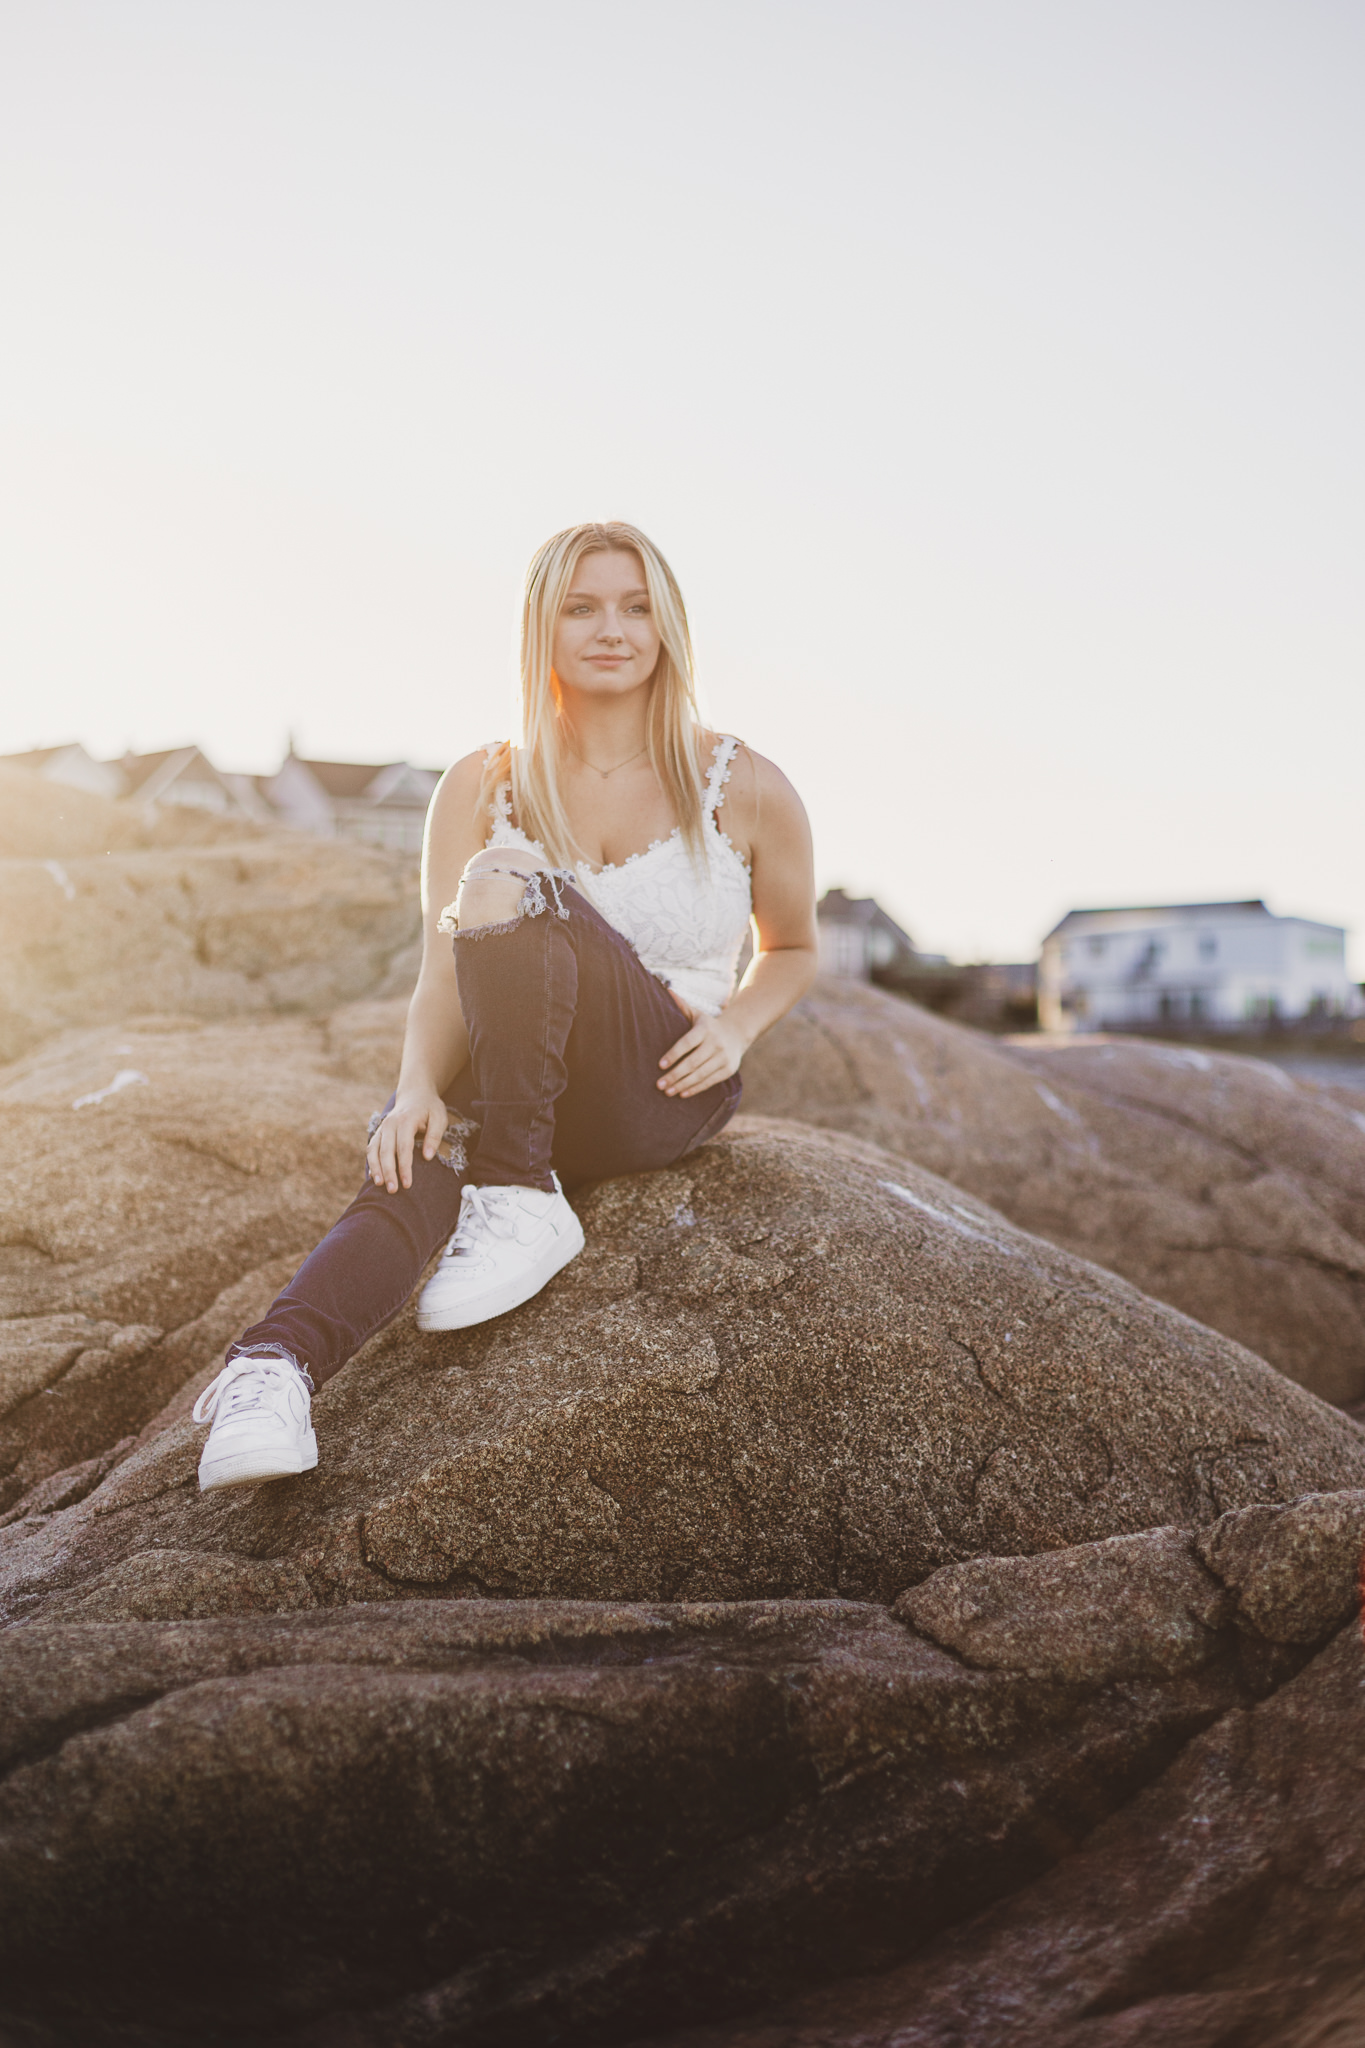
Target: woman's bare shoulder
471, 768
463, 778
455, 805
756, 786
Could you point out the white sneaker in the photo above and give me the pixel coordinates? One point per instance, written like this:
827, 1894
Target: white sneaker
507, 1244
261, 1428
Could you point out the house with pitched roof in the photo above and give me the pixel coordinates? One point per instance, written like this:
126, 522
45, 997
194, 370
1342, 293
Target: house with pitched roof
381, 804
857, 936
72, 766
1218, 965
185, 775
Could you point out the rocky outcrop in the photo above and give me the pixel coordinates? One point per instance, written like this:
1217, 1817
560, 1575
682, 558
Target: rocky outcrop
528, 1822
1213, 1182
826, 1592
792, 1367
1221, 1905
257, 924
141, 1226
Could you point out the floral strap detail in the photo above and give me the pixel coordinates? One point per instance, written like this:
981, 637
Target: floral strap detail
500, 809
722, 760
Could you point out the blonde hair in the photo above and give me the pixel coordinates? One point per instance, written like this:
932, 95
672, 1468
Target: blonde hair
534, 766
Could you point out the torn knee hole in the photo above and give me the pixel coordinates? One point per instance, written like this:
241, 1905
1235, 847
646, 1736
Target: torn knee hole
495, 899
488, 899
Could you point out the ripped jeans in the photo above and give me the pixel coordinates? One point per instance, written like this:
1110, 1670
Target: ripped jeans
566, 1031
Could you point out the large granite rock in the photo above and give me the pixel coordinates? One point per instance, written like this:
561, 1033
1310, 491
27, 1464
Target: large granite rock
257, 924
1221, 1908
1211, 1181
141, 1228
529, 1822
791, 1367
817, 1562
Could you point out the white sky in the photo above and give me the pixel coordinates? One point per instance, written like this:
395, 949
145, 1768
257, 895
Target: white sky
991, 371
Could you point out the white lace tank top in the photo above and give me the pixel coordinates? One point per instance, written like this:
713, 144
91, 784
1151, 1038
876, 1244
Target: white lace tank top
687, 924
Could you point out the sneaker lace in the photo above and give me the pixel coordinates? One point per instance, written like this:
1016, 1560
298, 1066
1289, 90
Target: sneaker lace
484, 1213
241, 1386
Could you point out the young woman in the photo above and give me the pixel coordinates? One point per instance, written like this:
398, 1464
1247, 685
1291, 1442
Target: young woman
585, 899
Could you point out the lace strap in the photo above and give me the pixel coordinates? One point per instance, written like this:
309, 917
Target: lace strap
500, 810
722, 760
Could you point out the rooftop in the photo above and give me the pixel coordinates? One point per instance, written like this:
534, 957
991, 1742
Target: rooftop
349, 780
1252, 905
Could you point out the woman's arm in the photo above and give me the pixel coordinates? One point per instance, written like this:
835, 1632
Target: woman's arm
766, 818
435, 1042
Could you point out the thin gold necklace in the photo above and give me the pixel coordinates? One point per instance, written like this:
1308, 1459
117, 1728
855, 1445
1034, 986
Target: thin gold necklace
605, 772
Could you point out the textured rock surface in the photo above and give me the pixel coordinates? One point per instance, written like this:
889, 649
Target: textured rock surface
1294, 1572
1132, 1607
791, 1368
123, 1221
567, 1822
1221, 1909
280, 922
870, 1555
1213, 1182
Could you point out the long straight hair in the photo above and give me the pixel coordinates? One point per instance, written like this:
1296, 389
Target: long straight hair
671, 732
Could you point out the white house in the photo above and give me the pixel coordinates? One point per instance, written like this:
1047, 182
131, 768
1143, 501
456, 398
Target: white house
856, 935
384, 805
72, 766
187, 777
1216, 964
183, 775
381, 803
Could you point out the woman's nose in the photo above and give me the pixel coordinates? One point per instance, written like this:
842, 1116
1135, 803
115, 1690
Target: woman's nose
610, 628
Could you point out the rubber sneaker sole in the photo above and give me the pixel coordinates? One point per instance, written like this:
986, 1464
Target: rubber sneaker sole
500, 1301
247, 1468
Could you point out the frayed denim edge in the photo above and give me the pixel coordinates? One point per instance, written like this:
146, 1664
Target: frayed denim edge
453, 1149
489, 931
532, 902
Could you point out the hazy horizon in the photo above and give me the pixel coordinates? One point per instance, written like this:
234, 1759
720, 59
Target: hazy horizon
990, 376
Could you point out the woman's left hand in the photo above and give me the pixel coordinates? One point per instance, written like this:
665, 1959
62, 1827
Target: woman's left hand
711, 1051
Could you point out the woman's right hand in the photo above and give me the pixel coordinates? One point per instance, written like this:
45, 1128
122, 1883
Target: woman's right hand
389, 1152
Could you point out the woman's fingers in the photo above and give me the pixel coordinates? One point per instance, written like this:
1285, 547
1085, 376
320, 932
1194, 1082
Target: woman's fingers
674, 1079
393, 1148
685, 1044
699, 1069
706, 1055
386, 1155
707, 1077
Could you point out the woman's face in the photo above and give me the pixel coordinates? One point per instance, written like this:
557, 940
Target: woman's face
606, 642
